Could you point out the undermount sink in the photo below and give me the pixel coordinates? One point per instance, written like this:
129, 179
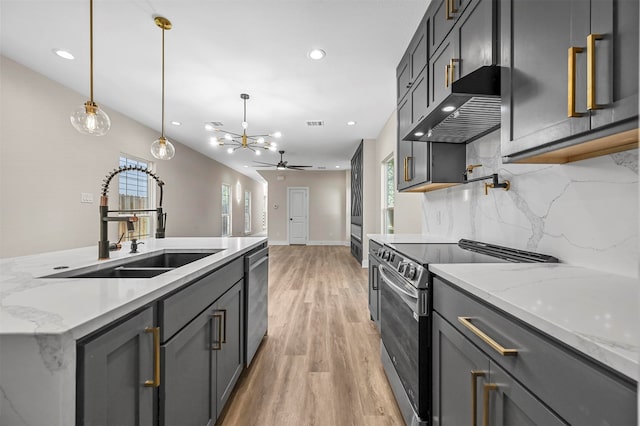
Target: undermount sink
139, 267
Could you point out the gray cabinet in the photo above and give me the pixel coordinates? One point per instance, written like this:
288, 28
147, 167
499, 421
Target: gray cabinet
469, 387
374, 283
529, 377
471, 44
203, 362
116, 374
574, 82
426, 166
413, 61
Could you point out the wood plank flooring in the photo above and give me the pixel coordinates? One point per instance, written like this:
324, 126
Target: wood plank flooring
320, 363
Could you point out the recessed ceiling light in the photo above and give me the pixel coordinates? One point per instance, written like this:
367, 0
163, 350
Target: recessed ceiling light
317, 54
176, 123
351, 123
64, 54
245, 166
418, 134
448, 108
277, 135
337, 167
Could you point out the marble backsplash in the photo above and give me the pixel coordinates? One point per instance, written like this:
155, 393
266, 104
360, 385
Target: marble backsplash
585, 213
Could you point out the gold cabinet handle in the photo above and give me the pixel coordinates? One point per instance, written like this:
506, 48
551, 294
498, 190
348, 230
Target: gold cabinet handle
216, 346
406, 169
466, 321
156, 357
452, 68
571, 81
446, 75
453, 7
474, 395
485, 402
447, 10
591, 71
224, 326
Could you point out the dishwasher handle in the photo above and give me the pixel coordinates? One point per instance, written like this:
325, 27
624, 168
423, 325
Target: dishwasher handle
256, 259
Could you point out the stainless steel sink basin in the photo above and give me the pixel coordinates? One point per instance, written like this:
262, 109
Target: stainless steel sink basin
139, 266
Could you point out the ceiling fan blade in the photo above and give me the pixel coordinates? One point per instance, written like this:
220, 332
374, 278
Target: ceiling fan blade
296, 168
299, 166
266, 164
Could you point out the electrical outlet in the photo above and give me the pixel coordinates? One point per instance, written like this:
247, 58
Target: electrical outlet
86, 197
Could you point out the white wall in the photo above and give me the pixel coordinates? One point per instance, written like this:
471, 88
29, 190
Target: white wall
327, 204
585, 213
408, 206
45, 164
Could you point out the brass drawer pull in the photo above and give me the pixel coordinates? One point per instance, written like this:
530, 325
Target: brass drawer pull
571, 82
446, 75
448, 9
452, 69
474, 395
466, 321
591, 71
216, 346
156, 357
487, 388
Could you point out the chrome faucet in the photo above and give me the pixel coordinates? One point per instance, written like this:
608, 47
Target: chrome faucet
103, 244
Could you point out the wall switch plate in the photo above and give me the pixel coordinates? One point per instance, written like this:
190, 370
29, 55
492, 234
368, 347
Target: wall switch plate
86, 197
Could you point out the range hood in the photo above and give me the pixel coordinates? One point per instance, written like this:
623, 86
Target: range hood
470, 111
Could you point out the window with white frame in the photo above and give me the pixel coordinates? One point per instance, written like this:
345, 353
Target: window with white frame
247, 212
388, 194
226, 210
134, 193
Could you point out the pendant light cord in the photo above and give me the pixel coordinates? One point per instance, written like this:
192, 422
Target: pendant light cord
91, 50
163, 82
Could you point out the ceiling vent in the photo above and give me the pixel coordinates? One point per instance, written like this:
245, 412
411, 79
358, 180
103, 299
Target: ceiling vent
216, 123
315, 123
322, 168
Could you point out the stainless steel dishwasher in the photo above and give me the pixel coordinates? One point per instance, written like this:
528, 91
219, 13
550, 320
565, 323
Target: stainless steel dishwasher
256, 267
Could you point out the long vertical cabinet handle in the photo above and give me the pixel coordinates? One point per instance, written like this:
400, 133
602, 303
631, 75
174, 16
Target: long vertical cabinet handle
407, 176
571, 81
485, 402
224, 327
216, 346
447, 9
452, 68
474, 395
446, 74
591, 71
156, 357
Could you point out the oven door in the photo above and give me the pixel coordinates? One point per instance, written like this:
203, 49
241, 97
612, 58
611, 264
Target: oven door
404, 336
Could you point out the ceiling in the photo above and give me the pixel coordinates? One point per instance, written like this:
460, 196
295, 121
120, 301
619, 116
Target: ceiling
219, 49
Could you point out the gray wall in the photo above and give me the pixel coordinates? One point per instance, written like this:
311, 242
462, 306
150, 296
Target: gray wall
45, 165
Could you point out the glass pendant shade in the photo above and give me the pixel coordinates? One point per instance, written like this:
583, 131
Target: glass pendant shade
90, 120
162, 149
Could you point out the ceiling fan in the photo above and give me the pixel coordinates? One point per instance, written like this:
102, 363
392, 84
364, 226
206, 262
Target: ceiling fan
282, 165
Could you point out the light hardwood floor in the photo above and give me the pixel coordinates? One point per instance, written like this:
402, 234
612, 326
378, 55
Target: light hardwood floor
320, 363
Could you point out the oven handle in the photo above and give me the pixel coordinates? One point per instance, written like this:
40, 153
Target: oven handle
395, 286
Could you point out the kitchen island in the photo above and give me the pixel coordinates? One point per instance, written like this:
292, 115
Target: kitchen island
42, 319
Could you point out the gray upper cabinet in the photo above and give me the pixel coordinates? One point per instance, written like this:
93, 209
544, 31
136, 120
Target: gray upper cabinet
444, 14
529, 377
427, 166
471, 44
413, 61
112, 370
574, 81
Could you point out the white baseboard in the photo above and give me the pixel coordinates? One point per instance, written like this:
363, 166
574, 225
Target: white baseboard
312, 243
365, 263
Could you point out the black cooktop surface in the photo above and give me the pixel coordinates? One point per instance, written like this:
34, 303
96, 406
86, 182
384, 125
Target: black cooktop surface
426, 254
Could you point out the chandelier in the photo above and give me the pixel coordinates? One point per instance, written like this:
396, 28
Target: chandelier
236, 141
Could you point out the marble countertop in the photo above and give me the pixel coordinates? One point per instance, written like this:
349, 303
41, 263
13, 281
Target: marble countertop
30, 305
409, 239
594, 312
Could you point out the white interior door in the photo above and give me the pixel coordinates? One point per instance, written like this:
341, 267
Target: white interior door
298, 208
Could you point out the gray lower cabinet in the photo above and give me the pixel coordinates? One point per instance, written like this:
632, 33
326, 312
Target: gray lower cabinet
202, 363
541, 382
573, 82
112, 370
468, 387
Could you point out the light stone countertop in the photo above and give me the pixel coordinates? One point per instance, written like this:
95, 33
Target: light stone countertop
593, 312
409, 239
41, 319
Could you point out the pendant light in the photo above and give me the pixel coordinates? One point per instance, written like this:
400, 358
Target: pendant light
89, 118
161, 148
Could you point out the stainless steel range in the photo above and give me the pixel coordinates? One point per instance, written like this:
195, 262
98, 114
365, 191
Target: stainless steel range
405, 307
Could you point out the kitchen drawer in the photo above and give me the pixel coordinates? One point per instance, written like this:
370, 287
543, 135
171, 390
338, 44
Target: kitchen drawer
571, 384
175, 311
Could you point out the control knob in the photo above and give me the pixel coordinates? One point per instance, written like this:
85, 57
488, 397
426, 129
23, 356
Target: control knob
410, 272
385, 254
